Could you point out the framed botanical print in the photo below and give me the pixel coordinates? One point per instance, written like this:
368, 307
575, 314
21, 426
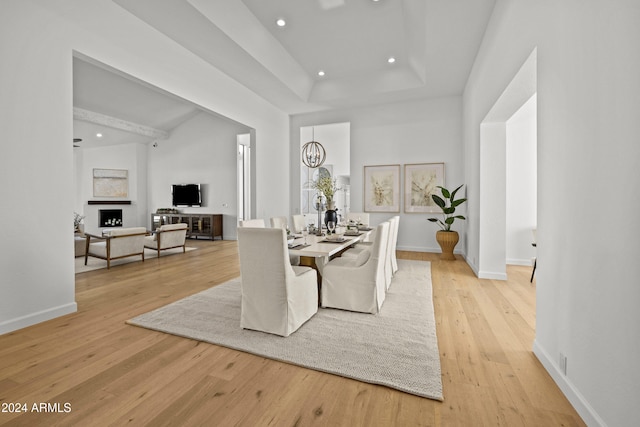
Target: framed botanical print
421, 180
382, 188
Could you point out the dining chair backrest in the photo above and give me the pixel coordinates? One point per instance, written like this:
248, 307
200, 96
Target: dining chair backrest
378, 256
388, 267
394, 244
252, 223
363, 217
279, 222
298, 223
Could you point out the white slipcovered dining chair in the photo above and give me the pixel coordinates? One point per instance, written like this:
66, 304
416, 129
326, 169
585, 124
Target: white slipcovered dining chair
358, 284
394, 244
168, 236
388, 264
298, 223
390, 261
363, 217
259, 223
279, 222
253, 223
276, 297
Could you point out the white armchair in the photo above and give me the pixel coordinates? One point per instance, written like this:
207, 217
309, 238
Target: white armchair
116, 243
276, 297
167, 236
358, 284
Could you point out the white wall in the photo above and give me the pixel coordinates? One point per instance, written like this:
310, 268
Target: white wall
37, 40
200, 151
424, 131
336, 140
521, 183
128, 157
588, 92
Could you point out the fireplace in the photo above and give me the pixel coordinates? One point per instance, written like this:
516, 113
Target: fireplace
110, 218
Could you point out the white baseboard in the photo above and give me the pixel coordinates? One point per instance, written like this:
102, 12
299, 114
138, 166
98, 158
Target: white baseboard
491, 275
577, 400
38, 317
518, 261
474, 267
424, 249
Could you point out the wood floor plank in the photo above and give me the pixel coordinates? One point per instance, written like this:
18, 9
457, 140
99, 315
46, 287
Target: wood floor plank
115, 374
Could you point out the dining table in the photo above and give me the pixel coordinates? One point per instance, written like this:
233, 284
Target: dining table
319, 250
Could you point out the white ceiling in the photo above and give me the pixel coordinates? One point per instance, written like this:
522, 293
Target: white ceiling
434, 42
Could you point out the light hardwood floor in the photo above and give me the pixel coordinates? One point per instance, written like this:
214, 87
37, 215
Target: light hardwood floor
115, 374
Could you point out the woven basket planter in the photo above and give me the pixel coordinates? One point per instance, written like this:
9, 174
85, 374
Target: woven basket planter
447, 241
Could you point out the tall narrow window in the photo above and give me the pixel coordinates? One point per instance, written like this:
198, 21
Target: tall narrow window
244, 176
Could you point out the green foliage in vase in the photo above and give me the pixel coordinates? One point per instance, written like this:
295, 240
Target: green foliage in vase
77, 220
448, 204
327, 186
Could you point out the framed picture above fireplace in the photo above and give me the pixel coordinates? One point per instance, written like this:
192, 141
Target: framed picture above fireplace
110, 183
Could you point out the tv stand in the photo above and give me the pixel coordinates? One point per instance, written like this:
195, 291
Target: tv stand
199, 225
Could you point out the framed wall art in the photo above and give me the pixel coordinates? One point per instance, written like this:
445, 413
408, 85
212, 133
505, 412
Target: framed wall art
421, 180
110, 183
382, 188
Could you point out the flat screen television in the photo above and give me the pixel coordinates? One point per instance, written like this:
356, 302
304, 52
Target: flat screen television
186, 195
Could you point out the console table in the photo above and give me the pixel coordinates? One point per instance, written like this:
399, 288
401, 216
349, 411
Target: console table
199, 225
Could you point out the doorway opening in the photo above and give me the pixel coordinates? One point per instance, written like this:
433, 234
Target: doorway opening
508, 176
244, 177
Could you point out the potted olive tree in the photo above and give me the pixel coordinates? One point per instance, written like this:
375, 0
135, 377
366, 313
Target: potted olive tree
446, 237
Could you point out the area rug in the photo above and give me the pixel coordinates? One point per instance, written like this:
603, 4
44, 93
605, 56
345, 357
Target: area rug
97, 263
397, 348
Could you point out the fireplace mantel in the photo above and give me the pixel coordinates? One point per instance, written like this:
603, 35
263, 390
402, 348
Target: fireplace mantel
109, 202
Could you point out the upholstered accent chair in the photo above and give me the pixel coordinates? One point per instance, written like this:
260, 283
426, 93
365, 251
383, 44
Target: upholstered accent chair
276, 297
358, 284
168, 236
116, 243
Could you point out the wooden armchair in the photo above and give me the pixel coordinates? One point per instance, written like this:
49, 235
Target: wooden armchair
167, 237
116, 243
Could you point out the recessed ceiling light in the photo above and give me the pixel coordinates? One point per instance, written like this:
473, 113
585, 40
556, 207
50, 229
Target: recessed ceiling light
99, 135
321, 73
280, 22
391, 60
